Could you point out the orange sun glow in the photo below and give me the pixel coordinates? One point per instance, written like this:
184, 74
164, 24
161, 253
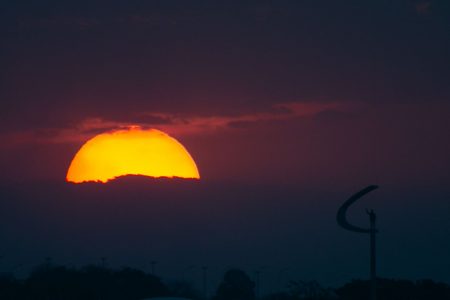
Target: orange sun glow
132, 151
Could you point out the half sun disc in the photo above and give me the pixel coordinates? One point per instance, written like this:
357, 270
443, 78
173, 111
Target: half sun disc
133, 151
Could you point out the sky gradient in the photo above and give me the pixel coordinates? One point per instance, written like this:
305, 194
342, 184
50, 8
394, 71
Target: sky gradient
287, 107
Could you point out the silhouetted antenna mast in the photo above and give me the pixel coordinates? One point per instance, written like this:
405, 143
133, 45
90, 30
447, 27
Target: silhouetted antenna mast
342, 221
48, 261
258, 283
205, 282
153, 264
103, 262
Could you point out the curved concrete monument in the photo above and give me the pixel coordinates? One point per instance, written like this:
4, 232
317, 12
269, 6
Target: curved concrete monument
342, 221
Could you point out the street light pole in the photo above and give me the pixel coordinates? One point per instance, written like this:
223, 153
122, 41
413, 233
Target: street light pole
152, 264
205, 283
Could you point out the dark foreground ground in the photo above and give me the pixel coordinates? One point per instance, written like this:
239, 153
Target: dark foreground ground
97, 282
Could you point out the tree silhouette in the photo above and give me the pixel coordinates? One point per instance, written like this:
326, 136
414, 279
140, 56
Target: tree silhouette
236, 285
92, 282
389, 289
309, 290
51, 282
183, 289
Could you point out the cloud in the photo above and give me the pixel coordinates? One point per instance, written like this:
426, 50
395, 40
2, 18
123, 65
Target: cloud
58, 22
423, 7
175, 124
149, 119
66, 19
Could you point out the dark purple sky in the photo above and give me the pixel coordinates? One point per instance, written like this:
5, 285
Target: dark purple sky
286, 106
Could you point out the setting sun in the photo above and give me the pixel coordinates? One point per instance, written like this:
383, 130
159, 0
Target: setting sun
133, 151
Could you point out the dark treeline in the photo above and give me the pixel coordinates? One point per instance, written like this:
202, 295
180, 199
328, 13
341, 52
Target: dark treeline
49, 282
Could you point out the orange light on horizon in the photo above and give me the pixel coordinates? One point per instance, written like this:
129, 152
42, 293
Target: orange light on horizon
133, 151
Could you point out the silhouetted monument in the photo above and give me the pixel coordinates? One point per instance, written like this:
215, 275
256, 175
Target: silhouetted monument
342, 221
